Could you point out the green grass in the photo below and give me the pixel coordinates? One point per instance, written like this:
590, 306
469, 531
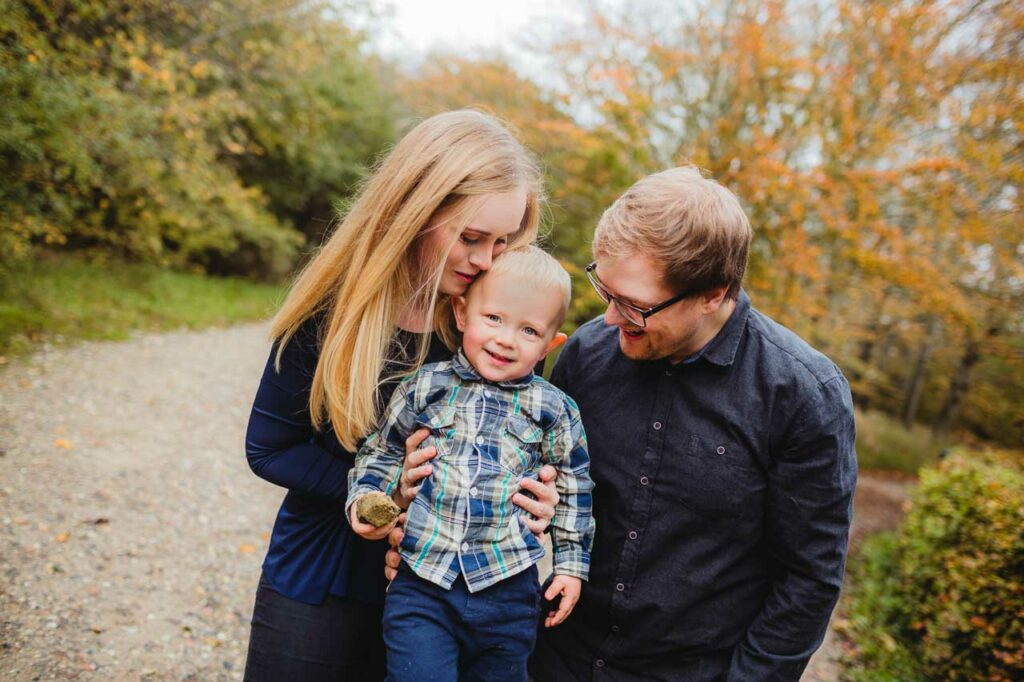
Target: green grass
884, 443
61, 298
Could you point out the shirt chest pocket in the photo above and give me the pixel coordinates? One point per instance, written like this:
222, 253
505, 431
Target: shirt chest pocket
440, 419
520, 444
718, 478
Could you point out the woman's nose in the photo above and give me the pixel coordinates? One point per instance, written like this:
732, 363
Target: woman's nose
481, 258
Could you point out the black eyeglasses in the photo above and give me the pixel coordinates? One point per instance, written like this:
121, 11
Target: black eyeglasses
632, 313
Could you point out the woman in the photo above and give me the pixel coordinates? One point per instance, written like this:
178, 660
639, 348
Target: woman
454, 193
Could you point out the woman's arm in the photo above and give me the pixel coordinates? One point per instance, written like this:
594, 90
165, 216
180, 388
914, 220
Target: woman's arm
280, 442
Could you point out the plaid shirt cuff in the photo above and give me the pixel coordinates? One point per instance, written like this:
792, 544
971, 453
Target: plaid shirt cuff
573, 561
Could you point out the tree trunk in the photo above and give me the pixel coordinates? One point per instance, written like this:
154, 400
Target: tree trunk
958, 386
915, 384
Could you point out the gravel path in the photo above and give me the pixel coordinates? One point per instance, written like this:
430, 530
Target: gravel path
131, 529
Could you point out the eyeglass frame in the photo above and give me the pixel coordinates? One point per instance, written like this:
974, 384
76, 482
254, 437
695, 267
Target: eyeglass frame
602, 291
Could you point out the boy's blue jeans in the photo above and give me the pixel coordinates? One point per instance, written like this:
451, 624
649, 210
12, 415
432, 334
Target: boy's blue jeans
438, 635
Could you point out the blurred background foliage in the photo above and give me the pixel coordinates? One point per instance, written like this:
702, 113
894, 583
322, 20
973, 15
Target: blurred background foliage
877, 147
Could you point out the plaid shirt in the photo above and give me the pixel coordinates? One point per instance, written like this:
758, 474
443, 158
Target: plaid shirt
488, 437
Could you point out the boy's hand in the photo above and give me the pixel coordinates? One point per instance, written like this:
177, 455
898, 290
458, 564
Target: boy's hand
569, 587
367, 530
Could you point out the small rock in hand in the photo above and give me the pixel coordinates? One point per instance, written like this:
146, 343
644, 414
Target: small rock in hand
376, 509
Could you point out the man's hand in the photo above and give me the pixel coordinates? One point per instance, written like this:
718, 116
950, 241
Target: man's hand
366, 530
569, 587
415, 468
542, 509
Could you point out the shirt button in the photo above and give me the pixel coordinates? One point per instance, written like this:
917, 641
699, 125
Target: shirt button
615, 628
720, 450
644, 480
599, 663
619, 587
487, 393
668, 372
657, 426
632, 535
474, 491
465, 546
479, 440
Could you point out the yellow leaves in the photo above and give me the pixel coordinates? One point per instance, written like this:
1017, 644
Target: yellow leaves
200, 69
63, 537
246, 548
139, 66
63, 444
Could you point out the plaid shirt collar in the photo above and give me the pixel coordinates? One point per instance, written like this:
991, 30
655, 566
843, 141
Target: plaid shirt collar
466, 372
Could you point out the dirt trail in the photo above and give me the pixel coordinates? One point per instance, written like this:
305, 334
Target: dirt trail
877, 506
131, 529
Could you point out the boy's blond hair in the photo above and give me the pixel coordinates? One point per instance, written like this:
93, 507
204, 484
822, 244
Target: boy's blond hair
693, 226
537, 269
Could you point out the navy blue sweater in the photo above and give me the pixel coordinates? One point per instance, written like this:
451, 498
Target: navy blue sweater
313, 551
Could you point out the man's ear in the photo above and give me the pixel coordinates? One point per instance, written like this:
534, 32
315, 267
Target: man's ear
559, 339
712, 299
459, 308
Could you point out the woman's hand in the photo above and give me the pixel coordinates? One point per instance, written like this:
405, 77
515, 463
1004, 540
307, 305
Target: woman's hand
366, 530
415, 468
542, 509
393, 558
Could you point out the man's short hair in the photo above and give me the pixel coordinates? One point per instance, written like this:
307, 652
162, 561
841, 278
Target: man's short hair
690, 224
539, 270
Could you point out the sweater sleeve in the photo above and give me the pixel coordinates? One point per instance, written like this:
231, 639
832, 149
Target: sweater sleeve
280, 443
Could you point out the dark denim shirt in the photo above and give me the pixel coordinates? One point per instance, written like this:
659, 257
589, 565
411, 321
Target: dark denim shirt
313, 551
723, 498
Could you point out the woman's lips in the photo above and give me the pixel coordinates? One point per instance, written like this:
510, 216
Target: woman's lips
468, 279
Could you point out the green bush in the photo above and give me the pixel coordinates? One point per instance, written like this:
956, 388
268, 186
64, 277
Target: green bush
943, 597
884, 443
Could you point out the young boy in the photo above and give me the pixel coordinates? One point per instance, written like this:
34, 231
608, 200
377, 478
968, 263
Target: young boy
466, 601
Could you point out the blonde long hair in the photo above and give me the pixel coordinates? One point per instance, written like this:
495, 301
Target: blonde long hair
370, 269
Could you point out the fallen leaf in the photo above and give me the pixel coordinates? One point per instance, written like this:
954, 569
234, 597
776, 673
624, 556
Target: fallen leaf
265, 536
65, 444
63, 537
246, 548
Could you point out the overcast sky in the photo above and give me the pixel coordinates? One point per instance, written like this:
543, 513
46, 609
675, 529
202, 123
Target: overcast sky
465, 25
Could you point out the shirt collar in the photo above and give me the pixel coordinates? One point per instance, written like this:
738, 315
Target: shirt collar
721, 350
467, 372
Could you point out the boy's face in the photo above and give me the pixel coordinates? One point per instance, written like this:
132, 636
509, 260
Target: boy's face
507, 325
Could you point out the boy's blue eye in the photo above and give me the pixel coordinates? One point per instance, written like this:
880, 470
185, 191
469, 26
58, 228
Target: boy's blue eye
493, 318
530, 331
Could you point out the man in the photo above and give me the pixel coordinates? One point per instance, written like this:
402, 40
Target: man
722, 454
